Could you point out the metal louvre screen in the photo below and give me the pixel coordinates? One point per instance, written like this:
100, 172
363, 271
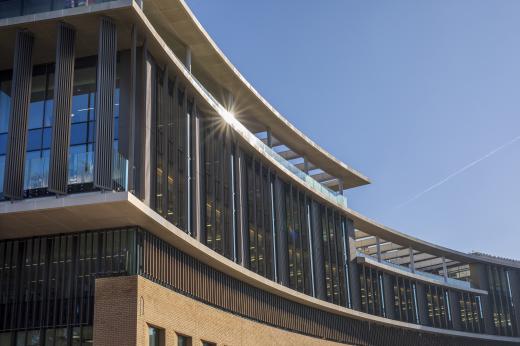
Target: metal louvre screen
48, 282
21, 93
63, 82
106, 83
169, 267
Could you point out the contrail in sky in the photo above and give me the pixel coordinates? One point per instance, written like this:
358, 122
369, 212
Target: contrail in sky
457, 172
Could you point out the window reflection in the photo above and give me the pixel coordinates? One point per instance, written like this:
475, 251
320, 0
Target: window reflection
39, 129
81, 151
83, 122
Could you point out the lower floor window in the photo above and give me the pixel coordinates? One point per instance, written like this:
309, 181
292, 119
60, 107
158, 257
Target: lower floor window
183, 340
155, 336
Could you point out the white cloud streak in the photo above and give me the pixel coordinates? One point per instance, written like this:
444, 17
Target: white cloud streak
457, 172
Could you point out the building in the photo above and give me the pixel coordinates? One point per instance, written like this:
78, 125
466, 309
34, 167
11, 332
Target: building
150, 196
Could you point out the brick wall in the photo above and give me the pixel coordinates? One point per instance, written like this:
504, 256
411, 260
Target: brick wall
125, 306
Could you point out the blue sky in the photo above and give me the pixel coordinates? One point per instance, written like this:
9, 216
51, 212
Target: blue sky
407, 92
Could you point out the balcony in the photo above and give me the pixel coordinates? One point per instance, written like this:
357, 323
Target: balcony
417, 274
80, 174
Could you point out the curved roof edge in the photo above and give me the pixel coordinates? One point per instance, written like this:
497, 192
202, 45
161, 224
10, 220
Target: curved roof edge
361, 221
176, 16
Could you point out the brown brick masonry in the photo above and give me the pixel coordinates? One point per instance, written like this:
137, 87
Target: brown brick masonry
125, 306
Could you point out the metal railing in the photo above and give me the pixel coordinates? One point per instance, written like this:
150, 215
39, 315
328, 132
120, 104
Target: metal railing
441, 279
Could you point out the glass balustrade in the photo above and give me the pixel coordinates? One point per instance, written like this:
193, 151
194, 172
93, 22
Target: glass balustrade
81, 168
80, 171
450, 281
36, 173
14, 8
119, 172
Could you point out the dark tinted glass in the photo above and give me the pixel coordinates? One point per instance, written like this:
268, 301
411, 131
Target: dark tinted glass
3, 144
34, 139
35, 6
10, 8
47, 134
78, 133
183, 340
80, 106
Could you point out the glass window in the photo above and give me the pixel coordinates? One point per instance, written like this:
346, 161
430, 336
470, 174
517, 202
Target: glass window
35, 6
33, 338
36, 107
50, 335
76, 336
34, 139
87, 337
81, 158
5, 101
208, 343
46, 140
10, 8
5, 338
39, 132
183, 340
2, 169
3, 143
61, 337
80, 105
154, 336
20, 339
78, 133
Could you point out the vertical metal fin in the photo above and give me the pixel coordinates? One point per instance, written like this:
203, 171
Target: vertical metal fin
164, 109
132, 111
63, 84
318, 251
20, 98
106, 84
281, 233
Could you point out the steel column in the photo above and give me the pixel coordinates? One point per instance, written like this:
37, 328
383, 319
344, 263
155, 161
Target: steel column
479, 277
422, 303
353, 267
281, 233
319, 262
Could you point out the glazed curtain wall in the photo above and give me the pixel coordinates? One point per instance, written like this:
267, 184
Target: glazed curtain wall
5, 104
205, 183
47, 284
410, 301
40, 122
247, 213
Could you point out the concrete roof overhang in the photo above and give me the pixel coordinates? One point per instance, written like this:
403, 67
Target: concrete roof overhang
174, 21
